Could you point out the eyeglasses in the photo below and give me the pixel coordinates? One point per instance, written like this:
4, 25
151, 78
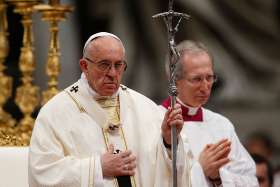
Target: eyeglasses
198, 80
105, 66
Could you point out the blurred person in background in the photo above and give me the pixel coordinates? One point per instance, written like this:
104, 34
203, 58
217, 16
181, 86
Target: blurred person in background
264, 170
260, 143
211, 136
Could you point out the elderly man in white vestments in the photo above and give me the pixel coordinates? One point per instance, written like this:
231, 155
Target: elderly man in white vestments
211, 136
100, 133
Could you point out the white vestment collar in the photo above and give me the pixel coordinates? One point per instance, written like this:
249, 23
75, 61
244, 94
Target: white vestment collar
81, 93
192, 110
85, 101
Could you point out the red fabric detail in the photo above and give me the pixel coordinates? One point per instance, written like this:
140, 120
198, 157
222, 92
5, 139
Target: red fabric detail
197, 117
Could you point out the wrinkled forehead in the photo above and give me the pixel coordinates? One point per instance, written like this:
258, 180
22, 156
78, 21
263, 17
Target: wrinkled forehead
199, 62
195, 57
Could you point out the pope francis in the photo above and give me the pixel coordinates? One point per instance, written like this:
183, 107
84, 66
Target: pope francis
100, 133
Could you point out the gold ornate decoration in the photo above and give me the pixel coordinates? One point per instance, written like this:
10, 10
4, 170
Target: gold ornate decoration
5, 81
9, 138
112, 107
27, 95
53, 13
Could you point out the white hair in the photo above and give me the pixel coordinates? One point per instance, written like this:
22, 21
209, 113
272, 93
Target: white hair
186, 47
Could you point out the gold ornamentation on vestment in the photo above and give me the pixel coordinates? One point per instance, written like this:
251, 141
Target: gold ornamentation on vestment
112, 108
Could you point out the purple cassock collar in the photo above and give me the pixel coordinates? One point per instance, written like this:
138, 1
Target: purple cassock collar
185, 111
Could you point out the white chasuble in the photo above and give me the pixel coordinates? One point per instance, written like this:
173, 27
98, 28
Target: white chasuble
68, 141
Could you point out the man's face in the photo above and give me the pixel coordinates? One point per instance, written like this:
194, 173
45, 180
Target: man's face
262, 175
101, 53
194, 88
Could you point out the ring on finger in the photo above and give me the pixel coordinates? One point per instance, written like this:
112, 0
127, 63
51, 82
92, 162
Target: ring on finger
221, 147
126, 167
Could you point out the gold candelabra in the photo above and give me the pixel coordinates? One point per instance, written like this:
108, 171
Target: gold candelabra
5, 81
54, 12
27, 95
